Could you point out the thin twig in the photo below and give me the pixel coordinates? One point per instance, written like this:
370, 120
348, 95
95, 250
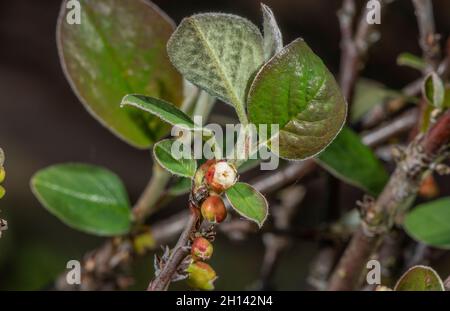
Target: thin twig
179, 252
429, 40
353, 47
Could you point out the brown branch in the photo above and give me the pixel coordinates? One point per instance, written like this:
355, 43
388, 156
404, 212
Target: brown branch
179, 252
353, 47
399, 193
429, 40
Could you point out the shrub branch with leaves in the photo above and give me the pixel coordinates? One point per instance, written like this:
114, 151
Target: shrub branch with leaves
138, 74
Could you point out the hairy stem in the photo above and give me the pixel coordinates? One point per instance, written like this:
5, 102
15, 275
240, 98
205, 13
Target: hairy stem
179, 252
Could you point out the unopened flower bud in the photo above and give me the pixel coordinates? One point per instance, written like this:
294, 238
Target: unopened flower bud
221, 176
2, 174
201, 275
202, 249
213, 209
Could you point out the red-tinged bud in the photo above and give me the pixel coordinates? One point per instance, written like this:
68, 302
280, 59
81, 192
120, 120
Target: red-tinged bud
201, 276
221, 176
202, 249
201, 172
429, 188
213, 209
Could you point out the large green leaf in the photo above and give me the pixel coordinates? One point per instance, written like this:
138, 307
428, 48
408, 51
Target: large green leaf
296, 90
219, 53
181, 167
248, 202
160, 108
430, 223
118, 49
85, 197
420, 278
350, 160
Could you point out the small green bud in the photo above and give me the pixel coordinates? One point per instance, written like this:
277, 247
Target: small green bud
201, 276
2, 174
2, 192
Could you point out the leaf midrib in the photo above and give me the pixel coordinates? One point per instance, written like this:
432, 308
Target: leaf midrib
93, 198
234, 98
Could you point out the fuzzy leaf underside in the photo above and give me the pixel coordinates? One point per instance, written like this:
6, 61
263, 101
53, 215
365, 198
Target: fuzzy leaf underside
273, 40
219, 53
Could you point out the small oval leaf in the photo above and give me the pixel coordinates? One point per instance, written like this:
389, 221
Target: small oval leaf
117, 49
248, 202
350, 160
430, 223
162, 151
296, 91
160, 108
85, 197
433, 90
420, 278
219, 53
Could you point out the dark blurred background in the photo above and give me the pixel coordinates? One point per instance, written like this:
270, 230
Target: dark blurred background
42, 123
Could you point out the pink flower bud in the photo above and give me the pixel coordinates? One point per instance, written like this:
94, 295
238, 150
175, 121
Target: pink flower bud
202, 249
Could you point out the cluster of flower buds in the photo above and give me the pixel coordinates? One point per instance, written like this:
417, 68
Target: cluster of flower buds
214, 176
201, 275
210, 181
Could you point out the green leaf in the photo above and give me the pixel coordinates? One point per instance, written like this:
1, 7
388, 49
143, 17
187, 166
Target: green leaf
411, 60
430, 223
433, 90
368, 94
162, 151
219, 53
118, 49
296, 90
85, 197
420, 278
350, 160
160, 108
273, 40
248, 202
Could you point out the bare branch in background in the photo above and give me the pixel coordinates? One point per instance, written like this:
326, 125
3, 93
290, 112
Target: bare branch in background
429, 40
379, 216
275, 244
